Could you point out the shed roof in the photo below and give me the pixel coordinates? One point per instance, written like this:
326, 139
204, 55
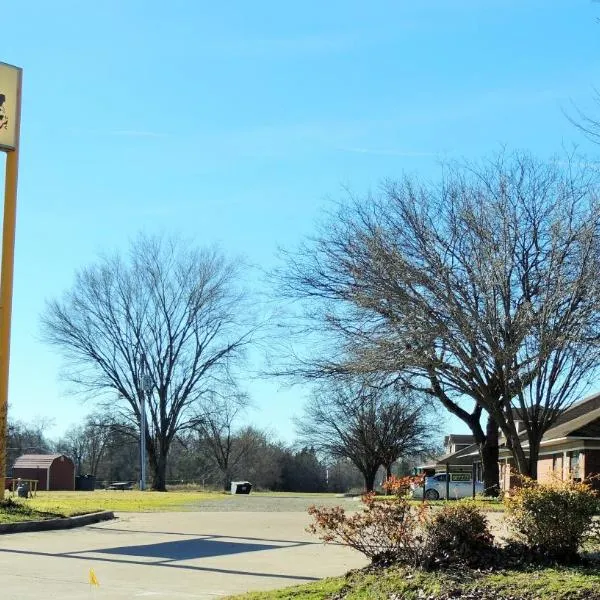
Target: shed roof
36, 461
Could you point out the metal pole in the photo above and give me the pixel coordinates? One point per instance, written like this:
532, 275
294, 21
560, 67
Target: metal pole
6, 283
143, 442
474, 476
145, 388
447, 481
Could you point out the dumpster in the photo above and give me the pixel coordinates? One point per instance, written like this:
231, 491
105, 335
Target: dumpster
240, 487
85, 483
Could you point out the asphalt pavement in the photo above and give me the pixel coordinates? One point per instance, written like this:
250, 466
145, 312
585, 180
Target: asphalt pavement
209, 553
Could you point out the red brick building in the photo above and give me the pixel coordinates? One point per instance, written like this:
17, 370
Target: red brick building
570, 449
51, 471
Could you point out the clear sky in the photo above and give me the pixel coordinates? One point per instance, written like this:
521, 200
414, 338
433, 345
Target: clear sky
235, 122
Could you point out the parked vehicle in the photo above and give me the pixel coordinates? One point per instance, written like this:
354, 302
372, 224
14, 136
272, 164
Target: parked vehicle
461, 486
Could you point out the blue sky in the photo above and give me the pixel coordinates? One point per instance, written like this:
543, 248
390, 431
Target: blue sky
235, 123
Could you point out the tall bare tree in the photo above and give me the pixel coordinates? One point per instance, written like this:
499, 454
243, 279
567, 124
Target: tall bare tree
167, 310
370, 425
404, 427
87, 443
481, 288
217, 423
27, 438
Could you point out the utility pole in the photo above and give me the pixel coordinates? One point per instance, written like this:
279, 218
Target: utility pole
10, 122
146, 390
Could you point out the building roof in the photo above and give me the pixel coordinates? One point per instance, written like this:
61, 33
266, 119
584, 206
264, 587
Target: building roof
581, 420
581, 408
459, 438
36, 461
583, 425
461, 457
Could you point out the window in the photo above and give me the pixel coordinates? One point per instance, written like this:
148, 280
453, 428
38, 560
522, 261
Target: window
574, 464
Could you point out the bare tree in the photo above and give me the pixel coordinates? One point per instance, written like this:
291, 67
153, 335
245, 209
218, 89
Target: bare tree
587, 124
369, 425
404, 428
120, 456
217, 424
483, 288
262, 462
169, 311
87, 443
27, 438
99, 430
74, 444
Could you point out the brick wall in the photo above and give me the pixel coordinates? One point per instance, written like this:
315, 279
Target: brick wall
545, 471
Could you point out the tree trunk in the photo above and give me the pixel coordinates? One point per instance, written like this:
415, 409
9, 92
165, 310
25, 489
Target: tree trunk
226, 481
158, 470
522, 462
489, 459
388, 474
370, 479
159, 474
533, 460
157, 459
533, 469
487, 442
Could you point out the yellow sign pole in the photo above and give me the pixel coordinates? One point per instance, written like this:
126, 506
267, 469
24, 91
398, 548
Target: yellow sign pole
12, 116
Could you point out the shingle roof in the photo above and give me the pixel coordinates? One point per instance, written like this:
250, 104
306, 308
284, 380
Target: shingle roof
35, 461
582, 408
579, 420
583, 425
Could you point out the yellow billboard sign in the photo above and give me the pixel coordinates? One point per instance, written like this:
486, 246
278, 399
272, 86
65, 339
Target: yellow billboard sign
10, 84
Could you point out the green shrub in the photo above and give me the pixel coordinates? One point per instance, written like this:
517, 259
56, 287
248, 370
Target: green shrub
552, 519
458, 532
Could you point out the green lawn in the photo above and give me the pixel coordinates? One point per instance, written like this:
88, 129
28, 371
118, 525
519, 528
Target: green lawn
541, 584
484, 504
15, 512
47, 504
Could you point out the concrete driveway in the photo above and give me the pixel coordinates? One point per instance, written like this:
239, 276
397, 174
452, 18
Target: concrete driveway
169, 555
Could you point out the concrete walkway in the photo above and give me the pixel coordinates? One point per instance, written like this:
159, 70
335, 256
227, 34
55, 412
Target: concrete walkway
169, 555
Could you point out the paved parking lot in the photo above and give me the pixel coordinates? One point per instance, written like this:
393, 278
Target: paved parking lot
206, 554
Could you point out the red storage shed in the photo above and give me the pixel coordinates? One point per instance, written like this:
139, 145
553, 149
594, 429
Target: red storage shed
52, 471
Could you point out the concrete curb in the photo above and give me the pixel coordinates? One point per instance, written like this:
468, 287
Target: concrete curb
62, 523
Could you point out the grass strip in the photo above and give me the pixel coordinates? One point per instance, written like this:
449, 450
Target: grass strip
69, 504
559, 583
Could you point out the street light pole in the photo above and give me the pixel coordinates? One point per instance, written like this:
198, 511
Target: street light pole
146, 390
